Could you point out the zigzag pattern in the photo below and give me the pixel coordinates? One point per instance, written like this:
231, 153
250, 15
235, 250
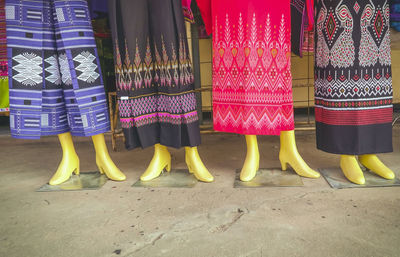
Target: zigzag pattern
350, 89
353, 84
252, 91
173, 104
175, 119
253, 119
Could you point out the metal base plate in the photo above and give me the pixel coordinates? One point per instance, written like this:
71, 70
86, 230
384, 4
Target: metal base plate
176, 178
270, 178
336, 179
85, 181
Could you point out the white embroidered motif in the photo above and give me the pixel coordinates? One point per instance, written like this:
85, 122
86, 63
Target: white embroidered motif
54, 70
342, 52
375, 20
64, 68
29, 69
87, 67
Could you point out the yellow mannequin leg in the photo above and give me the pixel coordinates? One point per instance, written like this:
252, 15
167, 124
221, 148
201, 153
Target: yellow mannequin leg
69, 162
252, 162
351, 169
372, 162
161, 159
103, 160
196, 166
289, 155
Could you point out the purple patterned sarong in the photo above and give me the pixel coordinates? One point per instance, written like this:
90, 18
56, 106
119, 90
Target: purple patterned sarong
55, 78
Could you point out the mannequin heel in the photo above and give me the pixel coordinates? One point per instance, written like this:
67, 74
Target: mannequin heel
63, 175
161, 161
112, 172
283, 164
77, 171
101, 170
168, 166
196, 166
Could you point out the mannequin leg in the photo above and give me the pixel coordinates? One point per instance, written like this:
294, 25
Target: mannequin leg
69, 162
252, 162
290, 155
196, 166
103, 159
161, 159
351, 169
372, 162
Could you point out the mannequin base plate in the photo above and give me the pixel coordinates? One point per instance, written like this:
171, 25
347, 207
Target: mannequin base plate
270, 178
180, 178
85, 181
336, 179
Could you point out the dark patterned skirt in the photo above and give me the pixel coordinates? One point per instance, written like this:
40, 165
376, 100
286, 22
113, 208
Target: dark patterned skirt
55, 79
155, 82
353, 80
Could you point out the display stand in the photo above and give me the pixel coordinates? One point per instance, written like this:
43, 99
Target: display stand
85, 181
270, 178
113, 109
179, 178
336, 179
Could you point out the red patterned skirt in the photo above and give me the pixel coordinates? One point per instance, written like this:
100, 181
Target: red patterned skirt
252, 81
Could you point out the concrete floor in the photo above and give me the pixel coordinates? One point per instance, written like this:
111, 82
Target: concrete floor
208, 220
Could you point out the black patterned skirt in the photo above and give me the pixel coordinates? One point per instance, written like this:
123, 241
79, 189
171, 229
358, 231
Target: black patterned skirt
155, 84
353, 80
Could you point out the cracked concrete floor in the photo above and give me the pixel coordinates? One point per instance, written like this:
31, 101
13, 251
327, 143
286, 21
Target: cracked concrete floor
208, 220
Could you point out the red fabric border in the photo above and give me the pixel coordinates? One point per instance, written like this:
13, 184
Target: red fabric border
354, 117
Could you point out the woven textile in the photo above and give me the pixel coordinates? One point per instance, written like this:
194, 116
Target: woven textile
3, 42
4, 98
55, 79
252, 81
155, 82
395, 14
353, 77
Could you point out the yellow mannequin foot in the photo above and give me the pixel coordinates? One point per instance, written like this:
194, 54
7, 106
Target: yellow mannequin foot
103, 160
252, 162
351, 169
196, 166
372, 162
290, 155
161, 160
69, 162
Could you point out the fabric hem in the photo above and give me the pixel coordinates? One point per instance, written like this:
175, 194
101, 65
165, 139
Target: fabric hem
355, 153
251, 132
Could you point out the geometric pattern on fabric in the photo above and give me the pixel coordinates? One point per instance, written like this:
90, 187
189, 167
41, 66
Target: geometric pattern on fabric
64, 69
158, 103
353, 76
148, 109
53, 70
154, 78
3, 44
4, 90
87, 67
28, 69
54, 73
252, 78
252, 81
